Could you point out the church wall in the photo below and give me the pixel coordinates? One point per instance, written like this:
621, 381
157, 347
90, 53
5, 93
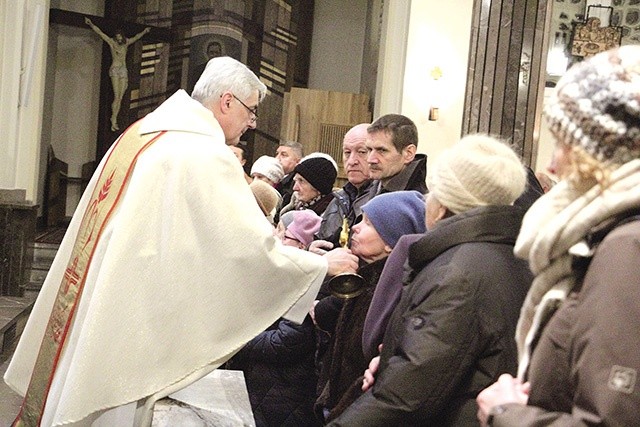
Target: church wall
337, 48
438, 37
75, 96
391, 57
22, 49
434, 28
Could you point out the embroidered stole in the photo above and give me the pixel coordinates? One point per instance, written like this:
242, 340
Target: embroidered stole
104, 199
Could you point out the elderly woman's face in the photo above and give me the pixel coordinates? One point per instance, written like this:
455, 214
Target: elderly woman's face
433, 211
560, 160
306, 191
366, 243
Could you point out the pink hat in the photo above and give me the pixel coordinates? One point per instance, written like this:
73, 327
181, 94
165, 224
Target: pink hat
304, 225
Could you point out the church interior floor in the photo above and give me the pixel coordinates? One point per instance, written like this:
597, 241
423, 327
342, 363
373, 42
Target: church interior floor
9, 400
14, 312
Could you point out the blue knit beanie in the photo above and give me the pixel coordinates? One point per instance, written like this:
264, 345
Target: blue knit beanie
395, 214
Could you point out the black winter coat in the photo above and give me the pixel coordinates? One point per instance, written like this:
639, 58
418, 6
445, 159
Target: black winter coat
342, 206
345, 363
278, 366
452, 333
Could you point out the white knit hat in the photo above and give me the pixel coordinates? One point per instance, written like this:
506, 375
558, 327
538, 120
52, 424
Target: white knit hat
477, 171
268, 167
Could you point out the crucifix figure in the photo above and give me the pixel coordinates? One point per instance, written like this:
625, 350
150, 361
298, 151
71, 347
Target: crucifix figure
118, 69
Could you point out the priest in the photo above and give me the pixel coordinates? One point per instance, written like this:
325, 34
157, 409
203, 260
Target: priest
167, 269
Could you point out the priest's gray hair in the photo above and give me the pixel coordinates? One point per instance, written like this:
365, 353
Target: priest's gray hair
224, 74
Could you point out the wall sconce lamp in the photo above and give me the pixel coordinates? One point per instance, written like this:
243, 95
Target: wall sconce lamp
434, 111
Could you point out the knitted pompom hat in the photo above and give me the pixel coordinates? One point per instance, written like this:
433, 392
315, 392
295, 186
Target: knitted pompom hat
395, 214
596, 106
320, 173
269, 167
477, 171
304, 225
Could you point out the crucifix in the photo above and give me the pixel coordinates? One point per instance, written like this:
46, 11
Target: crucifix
114, 34
118, 70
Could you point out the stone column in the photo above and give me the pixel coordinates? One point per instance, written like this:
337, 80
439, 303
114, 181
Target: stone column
23, 38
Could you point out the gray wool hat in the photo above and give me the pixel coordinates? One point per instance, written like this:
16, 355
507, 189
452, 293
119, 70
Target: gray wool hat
596, 106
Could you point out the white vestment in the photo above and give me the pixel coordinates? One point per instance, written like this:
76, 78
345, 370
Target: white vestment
185, 273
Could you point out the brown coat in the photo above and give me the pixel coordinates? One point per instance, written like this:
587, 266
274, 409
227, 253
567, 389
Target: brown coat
584, 370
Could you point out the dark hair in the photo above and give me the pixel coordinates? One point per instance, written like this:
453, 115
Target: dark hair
242, 148
295, 146
402, 129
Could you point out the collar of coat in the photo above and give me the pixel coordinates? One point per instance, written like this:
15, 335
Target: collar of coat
412, 177
493, 224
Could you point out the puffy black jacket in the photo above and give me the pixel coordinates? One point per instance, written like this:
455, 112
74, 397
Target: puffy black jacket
452, 333
342, 206
278, 366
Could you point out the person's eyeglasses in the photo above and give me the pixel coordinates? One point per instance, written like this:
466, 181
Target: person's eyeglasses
292, 238
253, 111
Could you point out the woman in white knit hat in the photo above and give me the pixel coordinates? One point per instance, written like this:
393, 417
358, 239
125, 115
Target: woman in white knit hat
451, 333
267, 169
579, 328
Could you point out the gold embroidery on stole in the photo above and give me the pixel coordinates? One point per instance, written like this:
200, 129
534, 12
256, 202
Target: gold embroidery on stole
105, 198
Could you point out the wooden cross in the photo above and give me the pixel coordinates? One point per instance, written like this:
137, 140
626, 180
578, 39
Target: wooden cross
156, 34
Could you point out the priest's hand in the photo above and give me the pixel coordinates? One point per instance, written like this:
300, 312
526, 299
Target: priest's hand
341, 260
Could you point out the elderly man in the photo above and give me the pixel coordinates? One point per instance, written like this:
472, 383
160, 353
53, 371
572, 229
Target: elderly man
149, 290
391, 142
354, 161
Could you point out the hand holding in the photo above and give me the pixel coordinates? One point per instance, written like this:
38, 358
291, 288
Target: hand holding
506, 390
341, 260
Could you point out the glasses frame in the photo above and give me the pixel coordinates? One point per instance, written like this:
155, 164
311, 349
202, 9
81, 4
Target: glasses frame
291, 238
253, 111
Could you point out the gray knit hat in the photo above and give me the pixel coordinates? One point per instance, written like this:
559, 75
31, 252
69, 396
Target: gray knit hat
479, 170
596, 106
287, 218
